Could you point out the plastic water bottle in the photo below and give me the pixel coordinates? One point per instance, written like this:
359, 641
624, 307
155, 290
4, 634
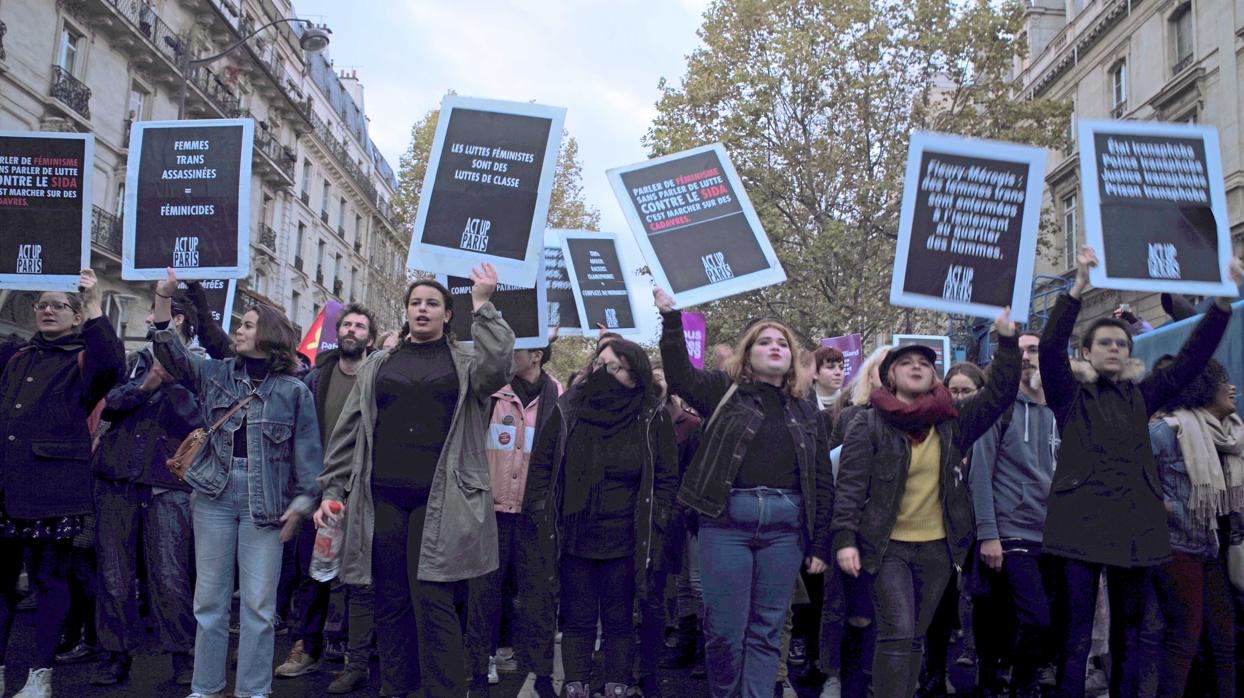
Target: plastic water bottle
326, 559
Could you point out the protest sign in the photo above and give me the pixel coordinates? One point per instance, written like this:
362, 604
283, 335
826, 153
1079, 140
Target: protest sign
939, 344
968, 226
1155, 207
851, 346
694, 331
219, 294
45, 209
595, 267
486, 191
695, 225
563, 296
187, 199
524, 309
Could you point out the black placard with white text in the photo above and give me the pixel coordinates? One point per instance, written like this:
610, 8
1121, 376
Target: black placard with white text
187, 200
595, 266
968, 226
219, 293
524, 309
563, 306
487, 188
694, 223
45, 209
1155, 208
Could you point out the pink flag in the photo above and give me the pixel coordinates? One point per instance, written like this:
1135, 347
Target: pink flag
694, 330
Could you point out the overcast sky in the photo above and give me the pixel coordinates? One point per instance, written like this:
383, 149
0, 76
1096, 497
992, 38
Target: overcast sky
600, 60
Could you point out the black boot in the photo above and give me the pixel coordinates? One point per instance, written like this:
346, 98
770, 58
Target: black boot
183, 668
651, 686
479, 687
112, 671
698, 670
682, 655
544, 687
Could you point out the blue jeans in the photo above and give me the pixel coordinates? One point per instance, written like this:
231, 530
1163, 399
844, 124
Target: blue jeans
749, 558
223, 533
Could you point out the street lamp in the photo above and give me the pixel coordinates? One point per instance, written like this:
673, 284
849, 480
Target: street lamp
313, 40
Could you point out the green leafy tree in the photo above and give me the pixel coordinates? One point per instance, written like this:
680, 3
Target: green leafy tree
814, 100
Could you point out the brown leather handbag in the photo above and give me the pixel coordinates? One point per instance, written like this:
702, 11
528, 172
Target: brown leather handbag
189, 448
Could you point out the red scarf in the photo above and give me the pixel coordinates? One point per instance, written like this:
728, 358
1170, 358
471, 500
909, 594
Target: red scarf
916, 417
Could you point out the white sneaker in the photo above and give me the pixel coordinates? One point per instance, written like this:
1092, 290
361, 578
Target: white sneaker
38, 685
493, 677
832, 688
206, 695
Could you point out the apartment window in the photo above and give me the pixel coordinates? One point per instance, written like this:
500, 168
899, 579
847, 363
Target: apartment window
265, 210
298, 242
117, 310
261, 283
341, 215
336, 269
1071, 231
137, 110
1181, 24
306, 176
295, 305
70, 44
1071, 122
119, 204
319, 262
325, 197
1118, 89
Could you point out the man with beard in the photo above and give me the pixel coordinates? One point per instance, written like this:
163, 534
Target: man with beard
330, 382
1012, 466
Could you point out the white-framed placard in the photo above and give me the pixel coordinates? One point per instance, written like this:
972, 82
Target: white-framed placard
695, 225
563, 296
1155, 207
940, 344
486, 192
187, 199
45, 209
524, 309
597, 269
968, 226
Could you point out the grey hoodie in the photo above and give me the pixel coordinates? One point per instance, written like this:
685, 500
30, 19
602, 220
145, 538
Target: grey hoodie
1011, 473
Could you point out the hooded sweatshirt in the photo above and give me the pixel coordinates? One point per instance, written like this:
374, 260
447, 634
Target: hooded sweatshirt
1012, 467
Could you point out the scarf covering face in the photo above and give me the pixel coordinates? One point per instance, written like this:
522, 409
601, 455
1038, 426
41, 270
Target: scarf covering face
1213, 453
604, 408
916, 417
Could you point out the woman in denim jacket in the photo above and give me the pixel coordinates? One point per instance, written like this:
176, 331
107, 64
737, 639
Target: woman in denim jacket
253, 482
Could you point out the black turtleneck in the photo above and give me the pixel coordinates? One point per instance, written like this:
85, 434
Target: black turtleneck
770, 460
416, 394
257, 371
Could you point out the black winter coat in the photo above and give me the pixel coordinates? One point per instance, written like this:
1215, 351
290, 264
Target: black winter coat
1105, 502
658, 480
46, 397
708, 479
876, 456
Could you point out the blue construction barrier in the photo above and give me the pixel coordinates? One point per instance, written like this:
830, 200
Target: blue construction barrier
1167, 339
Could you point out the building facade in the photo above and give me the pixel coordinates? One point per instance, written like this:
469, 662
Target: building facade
321, 223
1163, 60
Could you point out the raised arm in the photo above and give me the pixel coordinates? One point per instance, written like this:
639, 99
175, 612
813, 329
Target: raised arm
103, 359
212, 336
494, 340
700, 388
183, 365
1163, 384
982, 411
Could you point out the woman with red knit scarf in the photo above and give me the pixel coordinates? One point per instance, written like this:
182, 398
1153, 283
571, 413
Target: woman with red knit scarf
901, 515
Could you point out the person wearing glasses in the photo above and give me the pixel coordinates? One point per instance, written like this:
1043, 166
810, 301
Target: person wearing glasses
1105, 504
604, 471
49, 391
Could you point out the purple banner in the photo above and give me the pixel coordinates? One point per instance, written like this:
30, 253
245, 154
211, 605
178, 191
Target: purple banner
851, 346
328, 332
694, 330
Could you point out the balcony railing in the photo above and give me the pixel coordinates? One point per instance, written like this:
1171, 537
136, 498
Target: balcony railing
324, 215
3, 29
341, 232
267, 237
319, 275
341, 153
276, 152
305, 198
71, 91
216, 90
337, 286
1175, 69
105, 230
358, 246
298, 262
1119, 110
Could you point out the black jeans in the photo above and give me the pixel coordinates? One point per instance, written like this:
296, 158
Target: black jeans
128, 513
848, 633
595, 590
309, 606
361, 637
49, 568
906, 591
524, 560
1128, 589
1017, 596
417, 623
1195, 598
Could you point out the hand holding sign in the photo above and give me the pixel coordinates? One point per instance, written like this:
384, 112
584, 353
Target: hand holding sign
1086, 259
1003, 324
664, 302
1236, 273
90, 294
484, 283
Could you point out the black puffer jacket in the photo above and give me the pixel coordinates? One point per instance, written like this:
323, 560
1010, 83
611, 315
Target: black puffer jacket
872, 472
1105, 502
46, 395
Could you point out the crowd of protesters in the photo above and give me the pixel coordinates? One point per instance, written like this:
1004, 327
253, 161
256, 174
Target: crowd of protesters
759, 522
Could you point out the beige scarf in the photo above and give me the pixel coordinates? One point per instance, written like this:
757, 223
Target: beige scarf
1213, 454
